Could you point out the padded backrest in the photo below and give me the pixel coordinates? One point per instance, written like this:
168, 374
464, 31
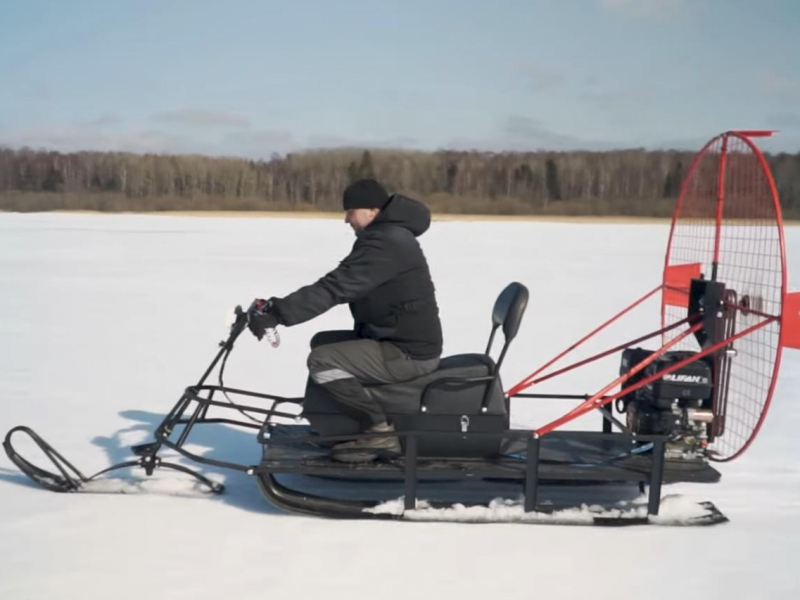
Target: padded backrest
509, 308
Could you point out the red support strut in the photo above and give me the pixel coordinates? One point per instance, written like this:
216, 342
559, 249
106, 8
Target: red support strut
529, 380
600, 399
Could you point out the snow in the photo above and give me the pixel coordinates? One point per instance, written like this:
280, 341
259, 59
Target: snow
674, 510
105, 319
170, 487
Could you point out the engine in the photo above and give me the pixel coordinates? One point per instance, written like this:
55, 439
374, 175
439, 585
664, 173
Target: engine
677, 405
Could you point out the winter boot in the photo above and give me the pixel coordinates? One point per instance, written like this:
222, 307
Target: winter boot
365, 450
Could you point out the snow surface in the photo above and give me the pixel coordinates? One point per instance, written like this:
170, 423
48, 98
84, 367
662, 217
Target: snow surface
674, 510
105, 319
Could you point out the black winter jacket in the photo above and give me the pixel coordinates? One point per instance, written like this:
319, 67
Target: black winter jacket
386, 281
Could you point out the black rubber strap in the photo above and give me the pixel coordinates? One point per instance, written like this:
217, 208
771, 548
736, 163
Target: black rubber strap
68, 478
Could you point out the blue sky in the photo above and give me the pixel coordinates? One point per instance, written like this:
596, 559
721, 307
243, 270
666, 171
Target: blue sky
248, 78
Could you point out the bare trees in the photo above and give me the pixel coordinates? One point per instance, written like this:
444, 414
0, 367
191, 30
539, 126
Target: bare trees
612, 182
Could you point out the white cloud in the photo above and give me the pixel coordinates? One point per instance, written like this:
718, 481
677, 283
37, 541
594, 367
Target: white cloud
540, 78
259, 143
249, 143
74, 138
332, 141
106, 120
37, 92
781, 87
781, 120
519, 133
201, 118
649, 8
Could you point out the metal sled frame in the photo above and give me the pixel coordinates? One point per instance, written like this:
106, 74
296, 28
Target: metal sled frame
542, 455
602, 398
620, 456
530, 466
526, 466
642, 459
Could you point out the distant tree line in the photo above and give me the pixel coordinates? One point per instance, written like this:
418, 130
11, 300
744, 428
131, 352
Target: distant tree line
627, 182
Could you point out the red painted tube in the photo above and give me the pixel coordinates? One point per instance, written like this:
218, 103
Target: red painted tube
676, 214
600, 399
606, 353
745, 135
525, 383
723, 162
754, 133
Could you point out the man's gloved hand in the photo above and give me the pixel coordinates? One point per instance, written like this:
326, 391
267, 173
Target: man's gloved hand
260, 317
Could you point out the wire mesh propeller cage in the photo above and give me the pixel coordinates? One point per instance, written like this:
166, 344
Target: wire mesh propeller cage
728, 227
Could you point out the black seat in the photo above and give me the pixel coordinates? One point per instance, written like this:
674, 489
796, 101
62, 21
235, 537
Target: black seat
452, 372
462, 372
464, 393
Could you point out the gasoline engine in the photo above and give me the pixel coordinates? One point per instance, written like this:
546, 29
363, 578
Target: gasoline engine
677, 405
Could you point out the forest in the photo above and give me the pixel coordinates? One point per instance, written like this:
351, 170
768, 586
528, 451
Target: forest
633, 182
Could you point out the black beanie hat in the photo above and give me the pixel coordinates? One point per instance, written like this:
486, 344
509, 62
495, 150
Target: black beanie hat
364, 193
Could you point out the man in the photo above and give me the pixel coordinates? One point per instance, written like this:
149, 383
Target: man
397, 335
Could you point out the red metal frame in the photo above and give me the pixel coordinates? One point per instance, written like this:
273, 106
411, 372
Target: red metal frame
684, 187
723, 163
528, 381
605, 353
744, 136
752, 311
600, 399
754, 132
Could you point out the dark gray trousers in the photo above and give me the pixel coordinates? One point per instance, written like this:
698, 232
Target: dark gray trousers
341, 362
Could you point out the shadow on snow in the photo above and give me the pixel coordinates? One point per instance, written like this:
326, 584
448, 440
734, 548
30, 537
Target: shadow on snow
241, 490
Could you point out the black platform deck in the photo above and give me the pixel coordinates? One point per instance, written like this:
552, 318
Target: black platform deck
568, 457
562, 470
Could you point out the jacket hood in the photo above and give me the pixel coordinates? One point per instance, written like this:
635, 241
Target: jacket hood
405, 212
